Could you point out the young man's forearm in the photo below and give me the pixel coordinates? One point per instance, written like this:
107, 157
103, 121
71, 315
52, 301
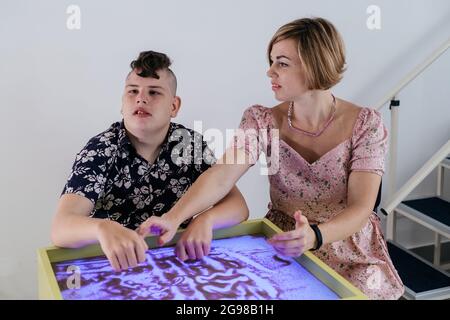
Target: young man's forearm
74, 231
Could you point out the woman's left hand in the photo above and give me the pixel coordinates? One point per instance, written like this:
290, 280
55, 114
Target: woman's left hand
294, 243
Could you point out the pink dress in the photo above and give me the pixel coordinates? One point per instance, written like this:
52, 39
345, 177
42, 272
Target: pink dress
319, 190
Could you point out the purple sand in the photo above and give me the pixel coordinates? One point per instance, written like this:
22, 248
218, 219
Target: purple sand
241, 268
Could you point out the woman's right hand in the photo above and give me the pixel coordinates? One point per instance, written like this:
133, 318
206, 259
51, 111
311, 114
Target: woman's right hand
123, 247
163, 226
294, 243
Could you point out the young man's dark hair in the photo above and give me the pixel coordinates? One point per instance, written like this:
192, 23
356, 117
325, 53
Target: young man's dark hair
149, 62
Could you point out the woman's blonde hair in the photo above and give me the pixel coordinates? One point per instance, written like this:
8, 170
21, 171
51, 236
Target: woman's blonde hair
320, 48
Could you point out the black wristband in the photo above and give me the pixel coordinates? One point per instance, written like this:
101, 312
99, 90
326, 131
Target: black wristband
318, 236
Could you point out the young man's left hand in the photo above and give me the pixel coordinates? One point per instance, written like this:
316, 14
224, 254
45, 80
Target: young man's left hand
195, 241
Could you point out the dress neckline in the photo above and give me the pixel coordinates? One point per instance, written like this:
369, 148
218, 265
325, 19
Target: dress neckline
319, 159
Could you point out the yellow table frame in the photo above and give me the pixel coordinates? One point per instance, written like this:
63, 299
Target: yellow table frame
49, 289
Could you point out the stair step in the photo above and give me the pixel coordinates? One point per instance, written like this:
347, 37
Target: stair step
434, 207
432, 212
446, 162
421, 279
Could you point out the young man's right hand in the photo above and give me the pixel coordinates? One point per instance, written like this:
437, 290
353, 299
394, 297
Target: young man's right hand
123, 247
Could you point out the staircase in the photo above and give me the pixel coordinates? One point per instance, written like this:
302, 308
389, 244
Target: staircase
424, 279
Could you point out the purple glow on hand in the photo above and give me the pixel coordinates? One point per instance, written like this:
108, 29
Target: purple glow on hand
155, 230
239, 268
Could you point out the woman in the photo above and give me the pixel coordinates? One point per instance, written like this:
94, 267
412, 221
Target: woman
330, 163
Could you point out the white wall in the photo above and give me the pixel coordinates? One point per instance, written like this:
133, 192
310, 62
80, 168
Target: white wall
59, 87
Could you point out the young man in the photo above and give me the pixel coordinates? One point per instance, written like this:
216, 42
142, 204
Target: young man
139, 168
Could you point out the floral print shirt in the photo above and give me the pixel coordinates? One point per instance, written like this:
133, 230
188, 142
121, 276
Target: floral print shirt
126, 188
